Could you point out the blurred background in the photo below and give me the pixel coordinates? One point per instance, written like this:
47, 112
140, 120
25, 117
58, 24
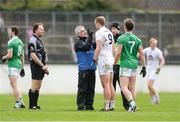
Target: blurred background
154, 18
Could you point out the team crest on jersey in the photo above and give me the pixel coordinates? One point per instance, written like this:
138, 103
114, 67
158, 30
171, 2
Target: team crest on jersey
150, 57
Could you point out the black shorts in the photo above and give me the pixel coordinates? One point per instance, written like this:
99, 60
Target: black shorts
36, 71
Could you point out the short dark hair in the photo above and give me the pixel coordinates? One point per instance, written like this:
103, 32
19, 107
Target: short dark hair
15, 30
129, 24
35, 27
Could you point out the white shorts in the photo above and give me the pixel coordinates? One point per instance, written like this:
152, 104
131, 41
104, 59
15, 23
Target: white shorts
151, 75
127, 72
105, 66
13, 71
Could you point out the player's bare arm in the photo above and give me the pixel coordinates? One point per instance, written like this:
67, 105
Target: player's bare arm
118, 53
99, 45
36, 59
143, 61
162, 62
142, 57
22, 58
9, 54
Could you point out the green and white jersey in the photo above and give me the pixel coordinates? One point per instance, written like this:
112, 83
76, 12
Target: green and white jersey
17, 47
130, 47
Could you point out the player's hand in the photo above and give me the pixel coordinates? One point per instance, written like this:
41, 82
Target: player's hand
94, 61
47, 72
157, 71
4, 59
22, 72
44, 67
143, 72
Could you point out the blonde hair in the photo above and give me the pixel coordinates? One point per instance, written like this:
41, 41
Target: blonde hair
101, 20
153, 39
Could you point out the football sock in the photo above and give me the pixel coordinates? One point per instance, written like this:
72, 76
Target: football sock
31, 98
106, 106
132, 103
36, 97
112, 104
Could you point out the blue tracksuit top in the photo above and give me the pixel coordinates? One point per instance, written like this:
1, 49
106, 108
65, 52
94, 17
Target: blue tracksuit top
84, 52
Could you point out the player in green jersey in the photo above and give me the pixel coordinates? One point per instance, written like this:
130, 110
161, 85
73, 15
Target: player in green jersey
117, 32
15, 57
128, 47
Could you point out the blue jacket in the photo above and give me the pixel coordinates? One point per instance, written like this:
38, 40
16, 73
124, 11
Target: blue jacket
85, 52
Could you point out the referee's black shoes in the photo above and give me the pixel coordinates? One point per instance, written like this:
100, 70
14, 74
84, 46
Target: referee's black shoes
35, 108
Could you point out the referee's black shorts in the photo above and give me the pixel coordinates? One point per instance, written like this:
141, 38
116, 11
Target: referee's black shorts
36, 71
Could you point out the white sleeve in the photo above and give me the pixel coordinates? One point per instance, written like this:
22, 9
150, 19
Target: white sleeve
99, 36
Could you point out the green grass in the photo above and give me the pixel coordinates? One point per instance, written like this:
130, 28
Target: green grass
63, 107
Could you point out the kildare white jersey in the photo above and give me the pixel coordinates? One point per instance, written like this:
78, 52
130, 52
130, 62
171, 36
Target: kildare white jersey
153, 57
105, 35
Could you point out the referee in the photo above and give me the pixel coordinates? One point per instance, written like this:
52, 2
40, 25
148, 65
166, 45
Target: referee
37, 57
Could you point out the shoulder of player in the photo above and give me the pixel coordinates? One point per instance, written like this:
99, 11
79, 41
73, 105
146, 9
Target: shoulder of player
33, 39
12, 40
138, 39
97, 32
158, 50
146, 49
121, 37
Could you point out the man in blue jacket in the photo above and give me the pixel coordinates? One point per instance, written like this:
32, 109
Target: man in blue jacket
84, 49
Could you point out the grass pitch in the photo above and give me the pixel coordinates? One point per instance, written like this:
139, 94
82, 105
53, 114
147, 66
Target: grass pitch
63, 108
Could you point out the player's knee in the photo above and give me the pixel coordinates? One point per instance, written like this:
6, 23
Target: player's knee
149, 86
36, 86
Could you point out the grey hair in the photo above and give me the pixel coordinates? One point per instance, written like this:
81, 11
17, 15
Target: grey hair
78, 29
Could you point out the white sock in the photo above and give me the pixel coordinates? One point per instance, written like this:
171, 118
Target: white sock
157, 97
132, 103
112, 104
21, 100
106, 106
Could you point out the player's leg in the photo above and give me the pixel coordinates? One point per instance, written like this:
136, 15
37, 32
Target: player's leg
14, 85
154, 95
90, 91
152, 76
13, 76
37, 77
125, 75
132, 87
112, 100
34, 94
105, 81
124, 82
124, 100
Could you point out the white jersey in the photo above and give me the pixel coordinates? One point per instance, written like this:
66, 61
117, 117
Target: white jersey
105, 35
153, 57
